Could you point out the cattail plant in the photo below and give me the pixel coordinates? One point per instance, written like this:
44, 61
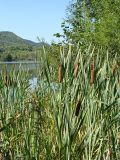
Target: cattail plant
119, 81
76, 66
92, 73
114, 68
78, 105
60, 73
6, 81
79, 132
110, 152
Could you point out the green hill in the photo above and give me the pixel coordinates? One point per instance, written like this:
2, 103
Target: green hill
10, 39
13, 47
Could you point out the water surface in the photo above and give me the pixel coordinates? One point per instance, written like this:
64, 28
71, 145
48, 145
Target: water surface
25, 65
30, 66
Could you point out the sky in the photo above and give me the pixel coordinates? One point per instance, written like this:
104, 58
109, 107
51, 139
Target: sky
30, 19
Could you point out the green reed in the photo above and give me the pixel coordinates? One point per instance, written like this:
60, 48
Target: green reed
77, 117
86, 107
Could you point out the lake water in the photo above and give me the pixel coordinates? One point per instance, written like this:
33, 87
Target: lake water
26, 65
31, 66
33, 82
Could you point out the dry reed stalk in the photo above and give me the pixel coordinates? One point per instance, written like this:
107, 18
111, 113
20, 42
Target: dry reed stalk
92, 73
60, 77
1, 156
113, 68
7, 80
76, 66
109, 154
18, 115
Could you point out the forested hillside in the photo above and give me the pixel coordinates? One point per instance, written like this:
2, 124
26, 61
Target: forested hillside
13, 47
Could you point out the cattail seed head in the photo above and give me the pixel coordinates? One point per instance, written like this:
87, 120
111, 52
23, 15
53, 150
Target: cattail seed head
113, 68
110, 152
60, 77
92, 66
78, 105
6, 81
119, 81
76, 66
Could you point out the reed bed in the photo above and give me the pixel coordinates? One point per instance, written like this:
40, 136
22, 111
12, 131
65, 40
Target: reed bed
76, 118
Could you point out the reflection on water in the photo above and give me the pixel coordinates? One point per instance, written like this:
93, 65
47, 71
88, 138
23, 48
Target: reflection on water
25, 65
33, 82
31, 66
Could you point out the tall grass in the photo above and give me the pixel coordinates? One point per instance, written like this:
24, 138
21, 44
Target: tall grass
77, 118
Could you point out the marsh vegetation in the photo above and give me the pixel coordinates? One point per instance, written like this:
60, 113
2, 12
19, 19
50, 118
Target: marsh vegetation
79, 119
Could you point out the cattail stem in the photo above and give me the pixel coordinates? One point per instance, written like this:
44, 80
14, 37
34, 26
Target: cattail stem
92, 73
60, 77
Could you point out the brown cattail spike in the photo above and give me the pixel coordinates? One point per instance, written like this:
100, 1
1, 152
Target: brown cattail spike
92, 73
78, 105
6, 81
113, 68
60, 73
110, 152
119, 81
76, 69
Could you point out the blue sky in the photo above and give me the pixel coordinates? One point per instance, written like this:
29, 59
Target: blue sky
32, 18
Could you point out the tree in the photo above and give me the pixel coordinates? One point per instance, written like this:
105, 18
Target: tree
9, 58
94, 21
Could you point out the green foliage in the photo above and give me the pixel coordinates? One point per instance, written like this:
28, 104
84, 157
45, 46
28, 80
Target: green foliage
96, 22
8, 58
84, 110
